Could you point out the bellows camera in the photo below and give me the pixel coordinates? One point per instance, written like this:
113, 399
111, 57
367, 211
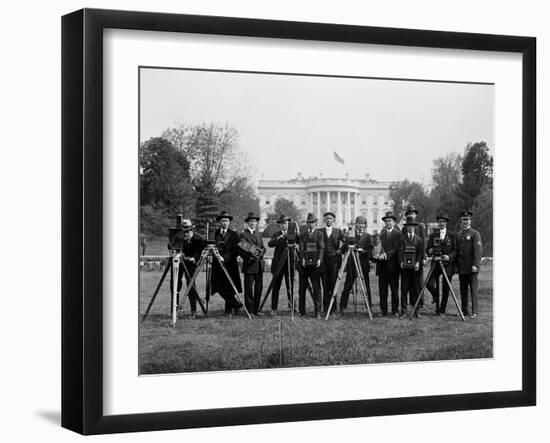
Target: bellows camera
409, 257
175, 234
292, 233
311, 253
436, 248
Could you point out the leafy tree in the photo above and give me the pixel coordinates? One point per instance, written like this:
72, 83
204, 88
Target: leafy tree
408, 192
239, 198
286, 208
482, 219
165, 189
477, 172
446, 180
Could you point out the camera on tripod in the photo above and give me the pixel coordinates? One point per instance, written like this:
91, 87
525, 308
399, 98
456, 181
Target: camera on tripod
175, 235
350, 235
292, 233
436, 247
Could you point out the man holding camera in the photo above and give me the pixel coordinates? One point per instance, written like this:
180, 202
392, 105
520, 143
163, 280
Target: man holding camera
190, 245
253, 266
469, 250
362, 241
279, 241
441, 246
311, 247
410, 256
333, 239
227, 241
387, 267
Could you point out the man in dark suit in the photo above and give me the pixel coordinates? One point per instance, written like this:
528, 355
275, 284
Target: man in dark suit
468, 259
446, 251
388, 267
227, 240
410, 255
279, 241
191, 245
419, 231
311, 246
333, 239
363, 244
253, 267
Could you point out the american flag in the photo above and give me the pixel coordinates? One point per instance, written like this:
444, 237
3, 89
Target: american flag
338, 158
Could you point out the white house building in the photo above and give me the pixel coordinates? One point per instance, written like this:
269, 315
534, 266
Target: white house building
346, 197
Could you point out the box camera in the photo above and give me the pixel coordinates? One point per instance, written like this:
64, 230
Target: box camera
350, 235
436, 248
292, 233
409, 257
175, 234
311, 254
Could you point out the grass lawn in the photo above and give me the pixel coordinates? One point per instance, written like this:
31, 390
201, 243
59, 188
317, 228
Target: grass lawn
217, 342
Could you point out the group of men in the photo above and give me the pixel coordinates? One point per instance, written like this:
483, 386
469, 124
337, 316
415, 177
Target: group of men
399, 255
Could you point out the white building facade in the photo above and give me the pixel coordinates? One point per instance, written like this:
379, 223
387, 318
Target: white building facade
345, 197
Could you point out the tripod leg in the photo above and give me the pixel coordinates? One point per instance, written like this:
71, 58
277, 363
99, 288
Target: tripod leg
362, 283
175, 276
193, 285
200, 264
168, 266
233, 286
451, 290
276, 274
426, 280
338, 281
291, 283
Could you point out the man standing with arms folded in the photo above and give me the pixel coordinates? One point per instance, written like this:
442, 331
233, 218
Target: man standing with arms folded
253, 267
469, 250
442, 245
333, 239
387, 267
311, 257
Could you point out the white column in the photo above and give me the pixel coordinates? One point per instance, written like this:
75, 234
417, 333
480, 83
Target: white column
311, 202
356, 202
318, 204
338, 207
328, 200
348, 209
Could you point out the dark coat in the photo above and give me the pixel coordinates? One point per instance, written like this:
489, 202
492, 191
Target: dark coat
418, 244
229, 250
418, 230
363, 242
468, 250
192, 249
280, 245
390, 244
448, 247
253, 265
333, 246
316, 237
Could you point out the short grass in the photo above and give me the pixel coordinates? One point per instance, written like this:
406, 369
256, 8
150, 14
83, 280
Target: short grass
216, 342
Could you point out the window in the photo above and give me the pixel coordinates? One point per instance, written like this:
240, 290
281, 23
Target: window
364, 199
374, 199
375, 216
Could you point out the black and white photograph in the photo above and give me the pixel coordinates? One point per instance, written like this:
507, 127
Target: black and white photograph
294, 220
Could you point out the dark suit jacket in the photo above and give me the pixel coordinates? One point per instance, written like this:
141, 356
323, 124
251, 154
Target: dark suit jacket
280, 245
336, 239
192, 249
418, 244
253, 265
448, 247
316, 237
391, 244
469, 250
229, 250
363, 242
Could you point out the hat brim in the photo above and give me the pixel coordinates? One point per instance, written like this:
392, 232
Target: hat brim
311, 220
282, 220
440, 217
247, 219
414, 211
219, 217
410, 224
188, 228
392, 217
329, 213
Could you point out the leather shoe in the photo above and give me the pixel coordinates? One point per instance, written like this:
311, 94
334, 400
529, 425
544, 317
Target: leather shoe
473, 316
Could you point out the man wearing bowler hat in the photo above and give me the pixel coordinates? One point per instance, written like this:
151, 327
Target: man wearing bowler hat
279, 241
227, 241
333, 239
311, 256
253, 267
468, 258
191, 246
446, 251
387, 267
409, 283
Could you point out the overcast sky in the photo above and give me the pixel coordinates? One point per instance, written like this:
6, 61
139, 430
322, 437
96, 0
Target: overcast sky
392, 129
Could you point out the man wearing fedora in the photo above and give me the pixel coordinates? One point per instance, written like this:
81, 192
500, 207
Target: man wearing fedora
447, 251
227, 241
364, 247
191, 245
387, 267
279, 241
311, 245
253, 267
419, 230
409, 283
333, 239
468, 259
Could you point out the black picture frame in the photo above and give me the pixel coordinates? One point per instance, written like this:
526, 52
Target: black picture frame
82, 218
